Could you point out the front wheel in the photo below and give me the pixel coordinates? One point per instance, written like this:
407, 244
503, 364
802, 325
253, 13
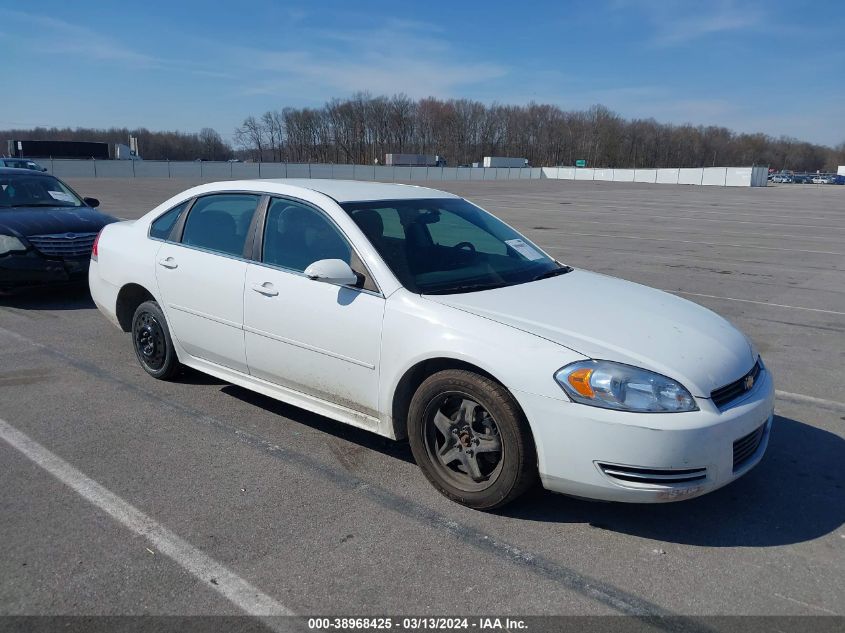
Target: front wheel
471, 440
152, 343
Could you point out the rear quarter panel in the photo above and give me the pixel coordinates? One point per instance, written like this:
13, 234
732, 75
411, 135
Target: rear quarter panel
125, 256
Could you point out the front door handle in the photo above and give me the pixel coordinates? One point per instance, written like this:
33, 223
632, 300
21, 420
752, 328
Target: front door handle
266, 289
168, 262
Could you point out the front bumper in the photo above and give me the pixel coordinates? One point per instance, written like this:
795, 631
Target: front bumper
31, 269
578, 445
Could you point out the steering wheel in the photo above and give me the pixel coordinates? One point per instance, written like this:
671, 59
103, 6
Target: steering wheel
467, 245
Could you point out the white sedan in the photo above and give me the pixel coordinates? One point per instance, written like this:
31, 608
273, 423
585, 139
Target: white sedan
413, 313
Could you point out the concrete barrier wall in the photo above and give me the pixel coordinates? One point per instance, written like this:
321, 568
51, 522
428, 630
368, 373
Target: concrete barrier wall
205, 170
714, 176
667, 176
687, 176
738, 176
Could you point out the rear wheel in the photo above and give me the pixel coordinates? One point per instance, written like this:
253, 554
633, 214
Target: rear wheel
471, 440
152, 343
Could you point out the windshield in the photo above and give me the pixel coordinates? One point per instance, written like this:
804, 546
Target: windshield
20, 190
448, 245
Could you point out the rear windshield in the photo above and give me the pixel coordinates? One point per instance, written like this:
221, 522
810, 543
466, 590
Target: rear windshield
21, 190
448, 245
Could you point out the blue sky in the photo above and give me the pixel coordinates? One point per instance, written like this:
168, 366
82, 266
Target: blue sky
769, 66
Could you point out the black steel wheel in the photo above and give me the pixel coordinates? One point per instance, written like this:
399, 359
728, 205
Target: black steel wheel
152, 343
471, 440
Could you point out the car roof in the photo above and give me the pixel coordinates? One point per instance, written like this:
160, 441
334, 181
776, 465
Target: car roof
8, 171
360, 191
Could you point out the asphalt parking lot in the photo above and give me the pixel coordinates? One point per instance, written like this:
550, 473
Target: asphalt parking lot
321, 518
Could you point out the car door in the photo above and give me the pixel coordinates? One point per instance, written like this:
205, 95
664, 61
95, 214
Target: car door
201, 274
311, 336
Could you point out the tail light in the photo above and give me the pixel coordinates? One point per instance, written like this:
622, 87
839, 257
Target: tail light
96, 244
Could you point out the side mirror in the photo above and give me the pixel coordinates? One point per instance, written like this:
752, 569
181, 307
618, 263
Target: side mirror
333, 271
91, 202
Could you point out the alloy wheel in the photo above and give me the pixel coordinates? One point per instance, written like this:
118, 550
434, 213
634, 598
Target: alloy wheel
462, 441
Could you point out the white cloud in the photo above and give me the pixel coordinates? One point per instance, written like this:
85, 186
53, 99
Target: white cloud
395, 56
51, 35
676, 23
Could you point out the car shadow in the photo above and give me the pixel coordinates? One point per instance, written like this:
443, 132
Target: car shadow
189, 376
70, 297
795, 494
391, 448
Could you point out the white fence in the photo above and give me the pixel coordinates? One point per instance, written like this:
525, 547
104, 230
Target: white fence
205, 170
713, 176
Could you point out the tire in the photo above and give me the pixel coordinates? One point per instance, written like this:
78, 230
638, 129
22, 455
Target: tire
455, 420
152, 343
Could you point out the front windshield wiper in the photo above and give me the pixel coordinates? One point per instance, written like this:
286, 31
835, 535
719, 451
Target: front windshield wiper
553, 273
468, 288
36, 204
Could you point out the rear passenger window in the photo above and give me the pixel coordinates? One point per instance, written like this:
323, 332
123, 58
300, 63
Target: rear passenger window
160, 228
220, 222
296, 236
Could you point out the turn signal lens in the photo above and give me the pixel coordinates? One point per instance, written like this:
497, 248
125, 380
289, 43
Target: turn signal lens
579, 380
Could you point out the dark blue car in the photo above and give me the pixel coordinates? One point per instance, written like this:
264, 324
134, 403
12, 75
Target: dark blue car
46, 230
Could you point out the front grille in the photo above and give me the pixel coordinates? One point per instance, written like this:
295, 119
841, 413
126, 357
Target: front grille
729, 393
746, 446
657, 476
63, 244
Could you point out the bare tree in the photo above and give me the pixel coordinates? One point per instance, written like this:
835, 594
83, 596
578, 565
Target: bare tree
250, 136
363, 128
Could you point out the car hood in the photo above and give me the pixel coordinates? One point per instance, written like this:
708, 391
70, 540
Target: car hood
606, 318
49, 220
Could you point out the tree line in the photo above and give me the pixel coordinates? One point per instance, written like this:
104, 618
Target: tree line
363, 128
207, 144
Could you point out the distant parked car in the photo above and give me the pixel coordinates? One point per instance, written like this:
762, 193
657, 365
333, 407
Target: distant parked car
802, 179
782, 178
46, 230
824, 179
21, 163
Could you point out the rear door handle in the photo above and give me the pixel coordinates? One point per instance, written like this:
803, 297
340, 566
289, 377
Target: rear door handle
266, 289
168, 262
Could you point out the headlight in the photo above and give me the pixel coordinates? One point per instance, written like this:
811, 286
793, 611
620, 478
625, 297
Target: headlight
9, 243
601, 383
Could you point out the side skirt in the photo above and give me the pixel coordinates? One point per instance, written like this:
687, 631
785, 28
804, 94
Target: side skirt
288, 396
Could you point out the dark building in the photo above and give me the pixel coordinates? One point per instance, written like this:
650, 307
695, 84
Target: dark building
58, 149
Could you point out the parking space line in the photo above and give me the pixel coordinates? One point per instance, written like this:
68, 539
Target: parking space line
762, 303
800, 397
663, 239
204, 568
604, 593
